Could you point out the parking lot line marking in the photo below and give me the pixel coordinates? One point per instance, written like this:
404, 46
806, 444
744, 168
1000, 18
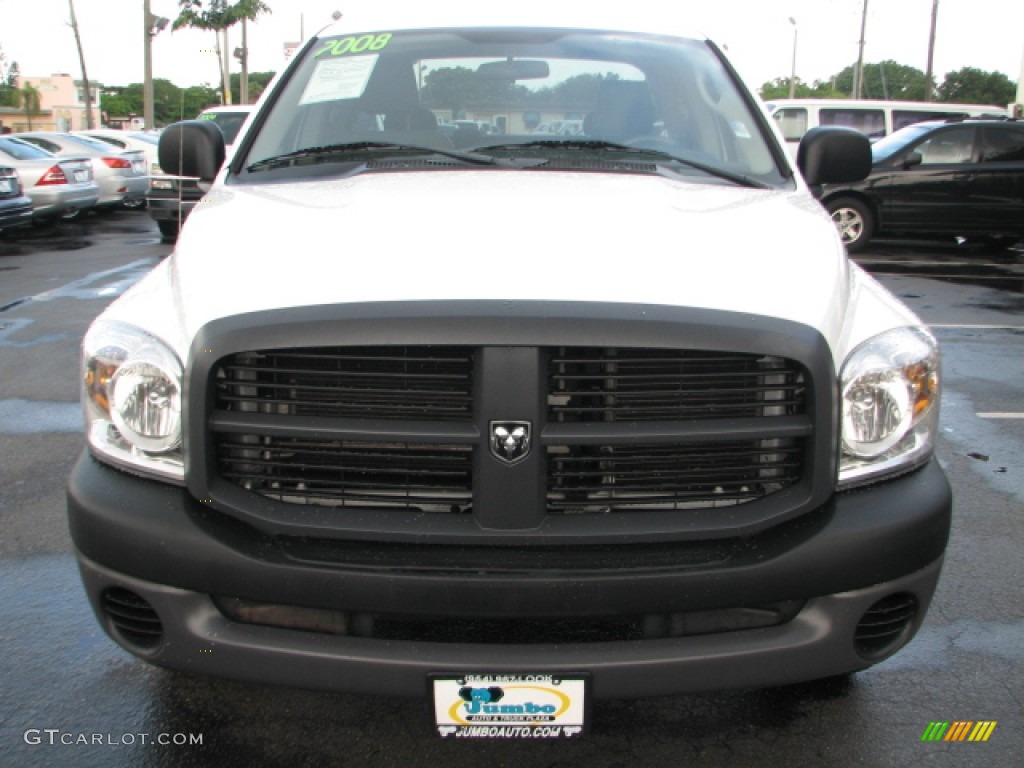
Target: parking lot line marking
980, 327
998, 415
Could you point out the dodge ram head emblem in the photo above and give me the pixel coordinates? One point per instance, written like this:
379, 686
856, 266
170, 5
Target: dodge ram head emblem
510, 440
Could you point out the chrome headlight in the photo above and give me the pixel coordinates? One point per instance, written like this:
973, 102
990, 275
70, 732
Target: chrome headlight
132, 399
890, 405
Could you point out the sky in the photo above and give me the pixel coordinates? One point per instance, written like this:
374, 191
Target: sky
758, 35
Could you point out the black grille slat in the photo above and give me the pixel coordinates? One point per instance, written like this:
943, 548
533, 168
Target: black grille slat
393, 383
589, 384
602, 478
340, 473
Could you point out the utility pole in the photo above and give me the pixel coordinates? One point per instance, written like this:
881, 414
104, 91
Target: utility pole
225, 74
1020, 85
81, 58
931, 53
792, 74
243, 92
858, 72
154, 25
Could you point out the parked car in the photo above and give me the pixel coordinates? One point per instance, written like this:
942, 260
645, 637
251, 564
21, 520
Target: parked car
955, 178
539, 420
130, 140
171, 199
120, 175
872, 117
15, 207
58, 186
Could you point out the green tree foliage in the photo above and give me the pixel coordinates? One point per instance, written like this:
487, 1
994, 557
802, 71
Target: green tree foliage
9, 86
898, 82
973, 86
257, 82
819, 89
170, 103
885, 80
455, 88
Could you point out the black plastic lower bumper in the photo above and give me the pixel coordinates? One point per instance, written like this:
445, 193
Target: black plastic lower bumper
157, 542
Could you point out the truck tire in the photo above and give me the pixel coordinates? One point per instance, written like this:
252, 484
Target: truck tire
854, 220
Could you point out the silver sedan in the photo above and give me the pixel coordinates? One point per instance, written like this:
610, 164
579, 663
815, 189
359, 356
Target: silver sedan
121, 175
57, 186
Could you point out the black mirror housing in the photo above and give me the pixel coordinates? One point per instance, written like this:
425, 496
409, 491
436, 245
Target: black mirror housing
834, 155
192, 148
912, 159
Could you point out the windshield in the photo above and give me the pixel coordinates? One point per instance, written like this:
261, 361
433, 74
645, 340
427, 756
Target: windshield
229, 123
541, 95
894, 143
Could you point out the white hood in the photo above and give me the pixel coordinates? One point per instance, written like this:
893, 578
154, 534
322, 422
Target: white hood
502, 235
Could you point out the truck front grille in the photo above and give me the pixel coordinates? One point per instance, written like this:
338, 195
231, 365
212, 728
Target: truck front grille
616, 429
362, 382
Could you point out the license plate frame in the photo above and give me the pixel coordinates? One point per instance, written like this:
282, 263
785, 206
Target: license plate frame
510, 706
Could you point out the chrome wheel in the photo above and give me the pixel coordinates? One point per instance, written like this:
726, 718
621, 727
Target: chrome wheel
853, 221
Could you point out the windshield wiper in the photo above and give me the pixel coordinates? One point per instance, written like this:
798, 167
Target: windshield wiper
611, 146
361, 147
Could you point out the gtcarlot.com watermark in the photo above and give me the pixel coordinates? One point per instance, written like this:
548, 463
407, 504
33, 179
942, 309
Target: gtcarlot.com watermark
56, 736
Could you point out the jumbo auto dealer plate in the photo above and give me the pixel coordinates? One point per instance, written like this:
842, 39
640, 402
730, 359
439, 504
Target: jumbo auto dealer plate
492, 706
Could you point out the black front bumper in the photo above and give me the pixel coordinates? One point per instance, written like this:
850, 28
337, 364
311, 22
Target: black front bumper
160, 543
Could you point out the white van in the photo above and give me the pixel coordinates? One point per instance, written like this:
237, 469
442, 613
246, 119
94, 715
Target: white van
873, 118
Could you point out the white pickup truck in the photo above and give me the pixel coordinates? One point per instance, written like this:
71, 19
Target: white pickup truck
514, 425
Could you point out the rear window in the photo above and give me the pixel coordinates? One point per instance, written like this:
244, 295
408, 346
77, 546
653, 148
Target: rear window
20, 150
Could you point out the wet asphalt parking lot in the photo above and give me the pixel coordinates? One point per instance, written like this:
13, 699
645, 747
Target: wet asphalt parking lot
70, 697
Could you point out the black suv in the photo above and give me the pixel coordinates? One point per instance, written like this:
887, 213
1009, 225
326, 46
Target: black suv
961, 178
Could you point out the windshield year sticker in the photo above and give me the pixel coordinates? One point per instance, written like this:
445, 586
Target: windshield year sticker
349, 45
335, 79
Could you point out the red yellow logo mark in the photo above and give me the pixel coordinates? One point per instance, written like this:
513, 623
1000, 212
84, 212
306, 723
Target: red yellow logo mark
959, 730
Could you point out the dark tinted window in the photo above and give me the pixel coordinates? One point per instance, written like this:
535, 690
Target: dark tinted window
901, 118
870, 122
20, 150
1002, 144
955, 145
49, 146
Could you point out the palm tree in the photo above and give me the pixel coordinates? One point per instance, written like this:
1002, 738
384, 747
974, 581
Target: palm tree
28, 99
217, 17
81, 59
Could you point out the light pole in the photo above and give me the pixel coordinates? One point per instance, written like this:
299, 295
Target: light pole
154, 25
858, 72
931, 53
242, 54
792, 77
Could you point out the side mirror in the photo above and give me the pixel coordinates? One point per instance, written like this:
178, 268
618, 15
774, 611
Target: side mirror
912, 159
833, 155
192, 148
